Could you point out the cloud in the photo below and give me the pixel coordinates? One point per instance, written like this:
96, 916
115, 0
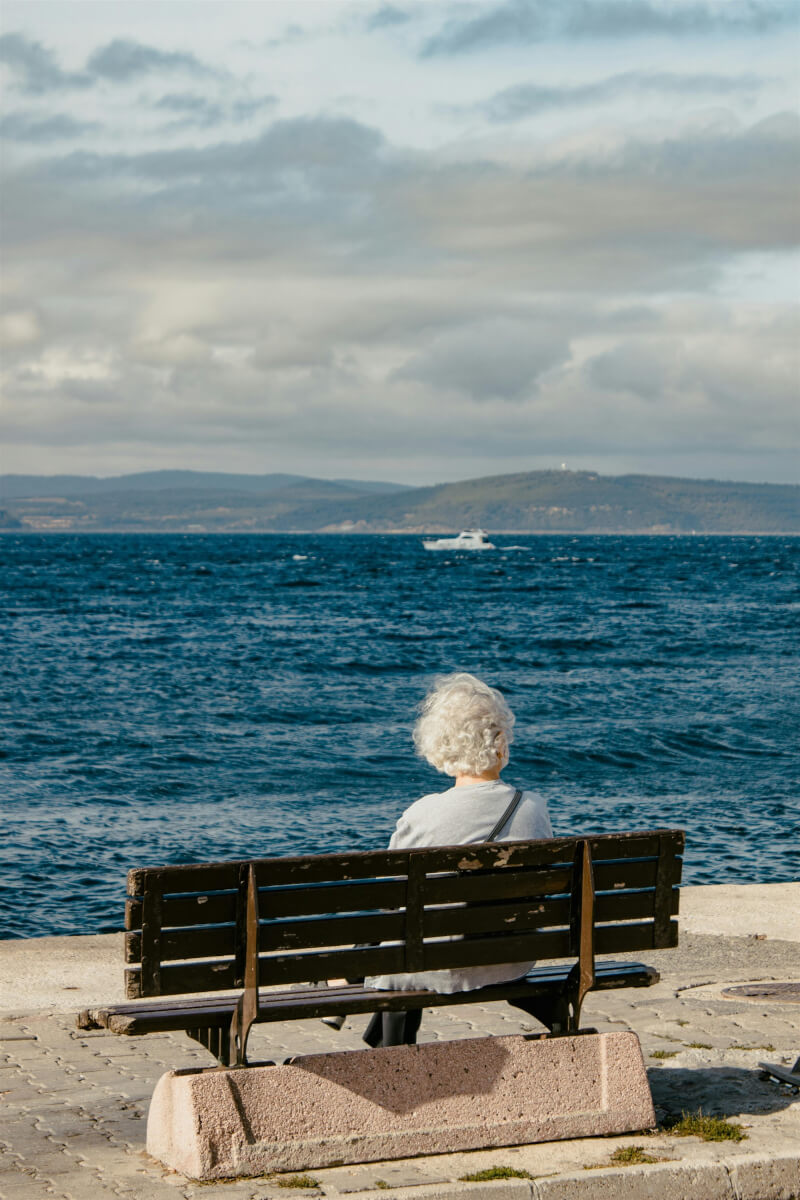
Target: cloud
528, 99
386, 17
38, 72
35, 67
124, 59
292, 35
194, 110
31, 127
496, 358
633, 214
520, 22
709, 381
19, 327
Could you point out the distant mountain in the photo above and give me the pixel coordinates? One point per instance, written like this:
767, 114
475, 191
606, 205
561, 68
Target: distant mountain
532, 502
578, 501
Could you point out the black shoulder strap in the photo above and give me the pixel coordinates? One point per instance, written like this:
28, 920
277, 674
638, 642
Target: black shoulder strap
506, 817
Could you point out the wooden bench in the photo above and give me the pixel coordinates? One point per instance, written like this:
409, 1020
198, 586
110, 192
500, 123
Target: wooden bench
264, 927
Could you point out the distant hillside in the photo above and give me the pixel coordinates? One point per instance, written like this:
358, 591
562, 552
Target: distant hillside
581, 501
536, 501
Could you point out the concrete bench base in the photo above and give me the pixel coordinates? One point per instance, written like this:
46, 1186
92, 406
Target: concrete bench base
369, 1105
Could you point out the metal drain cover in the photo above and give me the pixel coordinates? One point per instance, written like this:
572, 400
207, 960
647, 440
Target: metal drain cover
781, 993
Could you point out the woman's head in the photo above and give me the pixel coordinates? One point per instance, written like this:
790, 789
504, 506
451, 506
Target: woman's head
465, 726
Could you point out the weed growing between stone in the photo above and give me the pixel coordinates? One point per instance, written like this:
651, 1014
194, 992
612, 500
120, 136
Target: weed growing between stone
495, 1173
298, 1181
630, 1155
697, 1046
710, 1129
770, 1049
626, 1156
663, 1053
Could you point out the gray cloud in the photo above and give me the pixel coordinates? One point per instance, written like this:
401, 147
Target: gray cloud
35, 67
38, 72
386, 17
525, 21
194, 110
528, 99
638, 215
291, 36
727, 391
124, 59
496, 358
31, 127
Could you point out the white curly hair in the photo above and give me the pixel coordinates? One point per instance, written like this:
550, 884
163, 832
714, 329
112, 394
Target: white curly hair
463, 725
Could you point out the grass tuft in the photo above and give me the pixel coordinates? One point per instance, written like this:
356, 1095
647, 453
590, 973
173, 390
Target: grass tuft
495, 1173
382, 1184
298, 1181
770, 1049
628, 1156
663, 1053
698, 1046
710, 1129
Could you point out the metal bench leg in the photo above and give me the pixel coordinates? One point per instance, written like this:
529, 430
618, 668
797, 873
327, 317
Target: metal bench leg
246, 1011
581, 978
561, 1013
216, 1039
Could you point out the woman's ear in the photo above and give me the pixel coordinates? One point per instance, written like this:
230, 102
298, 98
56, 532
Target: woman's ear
502, 750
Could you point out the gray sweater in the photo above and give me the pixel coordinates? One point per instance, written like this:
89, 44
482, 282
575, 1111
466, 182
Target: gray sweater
458, 817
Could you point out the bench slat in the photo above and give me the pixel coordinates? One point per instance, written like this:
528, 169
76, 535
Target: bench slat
367, 865
211, 975
182, 912
219, 941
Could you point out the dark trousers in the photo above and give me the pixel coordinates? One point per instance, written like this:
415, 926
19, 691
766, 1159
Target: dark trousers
393, 1028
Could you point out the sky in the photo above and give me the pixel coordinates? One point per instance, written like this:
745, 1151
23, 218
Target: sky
416, 241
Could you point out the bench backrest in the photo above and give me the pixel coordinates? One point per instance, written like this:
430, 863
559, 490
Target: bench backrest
497, 902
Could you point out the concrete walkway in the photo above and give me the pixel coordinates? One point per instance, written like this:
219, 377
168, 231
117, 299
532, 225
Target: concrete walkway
75, 1104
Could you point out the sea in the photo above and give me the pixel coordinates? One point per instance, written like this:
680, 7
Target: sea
185, 698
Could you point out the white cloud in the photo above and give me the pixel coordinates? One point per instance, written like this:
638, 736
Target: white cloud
19, 328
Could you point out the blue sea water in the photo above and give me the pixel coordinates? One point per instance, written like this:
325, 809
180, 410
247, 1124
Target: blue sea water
183, 698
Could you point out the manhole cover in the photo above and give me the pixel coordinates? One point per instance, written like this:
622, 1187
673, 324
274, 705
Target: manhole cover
783, 993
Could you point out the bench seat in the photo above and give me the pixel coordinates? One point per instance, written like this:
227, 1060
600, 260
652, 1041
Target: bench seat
291, 1004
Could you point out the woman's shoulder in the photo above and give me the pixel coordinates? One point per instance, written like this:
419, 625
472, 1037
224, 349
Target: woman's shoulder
534, 814
431, 800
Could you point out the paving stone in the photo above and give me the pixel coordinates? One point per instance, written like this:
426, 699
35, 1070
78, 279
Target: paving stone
244, 1191
92, 1188
52, 1162
28, 1187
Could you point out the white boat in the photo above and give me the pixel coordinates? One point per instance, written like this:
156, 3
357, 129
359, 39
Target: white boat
468, 539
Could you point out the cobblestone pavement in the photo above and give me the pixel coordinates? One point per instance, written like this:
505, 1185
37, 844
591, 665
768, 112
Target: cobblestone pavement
75, 1103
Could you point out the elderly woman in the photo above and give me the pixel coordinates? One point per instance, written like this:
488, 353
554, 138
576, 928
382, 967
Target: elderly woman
464, 730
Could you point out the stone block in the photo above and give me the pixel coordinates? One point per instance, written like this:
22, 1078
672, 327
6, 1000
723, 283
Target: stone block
664, 1181
776, 1177
398, 1102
